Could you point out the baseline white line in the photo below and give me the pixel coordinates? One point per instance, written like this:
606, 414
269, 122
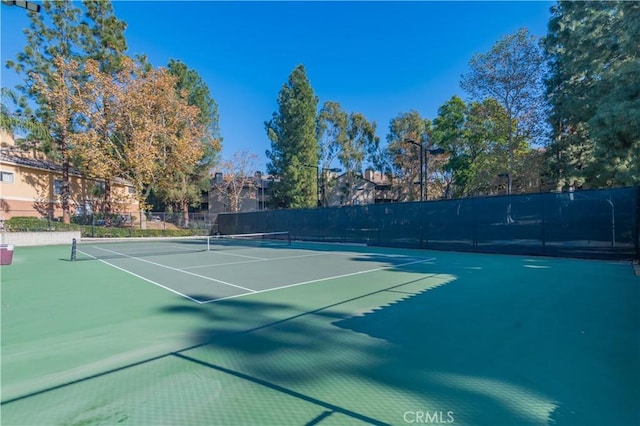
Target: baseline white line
254, 261
176, 269
142, 278
320, 279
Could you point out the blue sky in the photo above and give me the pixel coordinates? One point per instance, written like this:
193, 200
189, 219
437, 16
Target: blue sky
377, 58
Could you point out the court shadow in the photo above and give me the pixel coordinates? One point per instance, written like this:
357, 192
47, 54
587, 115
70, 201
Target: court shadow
499, 344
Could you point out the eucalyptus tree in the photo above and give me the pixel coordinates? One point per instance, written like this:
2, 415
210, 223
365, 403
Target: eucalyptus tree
294, 152
404, 157
348, 137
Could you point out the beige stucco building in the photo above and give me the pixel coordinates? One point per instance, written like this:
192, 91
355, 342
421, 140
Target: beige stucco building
30, 186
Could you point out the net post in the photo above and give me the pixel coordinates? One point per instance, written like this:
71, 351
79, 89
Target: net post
74, 245
208, 243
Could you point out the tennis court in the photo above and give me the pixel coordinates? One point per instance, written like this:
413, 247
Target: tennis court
202, 331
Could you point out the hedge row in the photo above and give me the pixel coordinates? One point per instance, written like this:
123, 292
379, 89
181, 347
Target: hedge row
34, 224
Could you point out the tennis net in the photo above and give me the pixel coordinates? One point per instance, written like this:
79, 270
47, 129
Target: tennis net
113, 248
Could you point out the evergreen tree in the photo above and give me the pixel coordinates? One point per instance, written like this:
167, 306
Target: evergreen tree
53, 36
102, 36
294, 152
594, 92
102, 40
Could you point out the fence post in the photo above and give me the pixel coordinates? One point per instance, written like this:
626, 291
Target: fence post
636, 214
544, 224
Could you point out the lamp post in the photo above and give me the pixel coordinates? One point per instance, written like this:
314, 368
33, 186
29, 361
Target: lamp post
320, 183
323, 192
424, 160
412, 142
29, 5
259, 189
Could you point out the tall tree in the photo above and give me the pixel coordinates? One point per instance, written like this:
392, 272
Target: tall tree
350, 138
593, 88
183, 187
449, 133
102, 35
474, 137
103, 41
361, 139
52, 42
511, 73
405, 157
294, 149
332, 131
149, 136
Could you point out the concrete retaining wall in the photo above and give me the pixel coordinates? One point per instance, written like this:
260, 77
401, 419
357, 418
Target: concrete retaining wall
22, 239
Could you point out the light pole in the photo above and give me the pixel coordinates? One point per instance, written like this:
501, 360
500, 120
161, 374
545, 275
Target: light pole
421, 146
29, 5
259, 189
319, 183
424, 160
323, 192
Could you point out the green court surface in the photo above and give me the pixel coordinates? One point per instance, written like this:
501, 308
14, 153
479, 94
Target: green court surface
316, 334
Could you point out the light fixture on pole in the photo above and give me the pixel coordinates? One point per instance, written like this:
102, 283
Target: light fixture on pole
320, 183
421, 146
259, 185
424, 164
29, 5
323, 192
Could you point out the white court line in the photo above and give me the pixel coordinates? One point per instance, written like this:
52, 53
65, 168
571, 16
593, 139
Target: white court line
238, 255
254, 261
141, 277
320, 279
176, 269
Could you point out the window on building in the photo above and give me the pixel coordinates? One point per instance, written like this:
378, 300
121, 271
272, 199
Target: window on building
98, 189
57, 186
6, 177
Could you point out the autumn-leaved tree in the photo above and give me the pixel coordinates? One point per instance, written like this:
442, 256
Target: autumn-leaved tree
183, 187
149, 133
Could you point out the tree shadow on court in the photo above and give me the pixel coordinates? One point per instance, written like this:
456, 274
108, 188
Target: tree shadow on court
503, 341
